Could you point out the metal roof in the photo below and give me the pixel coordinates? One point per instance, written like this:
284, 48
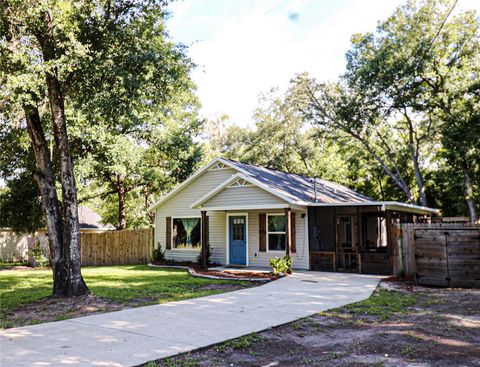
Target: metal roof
300, 188
296, 189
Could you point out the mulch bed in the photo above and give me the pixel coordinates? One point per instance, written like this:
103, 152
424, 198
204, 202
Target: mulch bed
239, 274
233, 274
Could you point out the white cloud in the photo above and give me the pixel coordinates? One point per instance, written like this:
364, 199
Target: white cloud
245, 50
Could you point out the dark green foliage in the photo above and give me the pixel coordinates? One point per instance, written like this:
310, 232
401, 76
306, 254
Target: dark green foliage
39, 256
402, 123
20, 206
158, 253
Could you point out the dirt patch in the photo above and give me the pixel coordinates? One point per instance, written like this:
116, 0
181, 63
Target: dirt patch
54, 309
433, 327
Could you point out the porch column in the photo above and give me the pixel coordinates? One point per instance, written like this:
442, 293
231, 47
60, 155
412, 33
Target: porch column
203, 237
288, 230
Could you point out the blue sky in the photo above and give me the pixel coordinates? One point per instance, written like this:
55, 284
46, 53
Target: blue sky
245, 47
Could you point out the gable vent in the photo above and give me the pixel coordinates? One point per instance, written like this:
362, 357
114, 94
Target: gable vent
240, 183
219, 165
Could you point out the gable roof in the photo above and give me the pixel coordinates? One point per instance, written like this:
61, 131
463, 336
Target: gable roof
293, 188
296, 189
300, 188
236, 178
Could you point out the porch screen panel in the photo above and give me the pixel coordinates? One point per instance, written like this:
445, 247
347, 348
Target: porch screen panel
321, 228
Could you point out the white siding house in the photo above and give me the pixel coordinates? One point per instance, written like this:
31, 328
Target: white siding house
248, 214
225, 194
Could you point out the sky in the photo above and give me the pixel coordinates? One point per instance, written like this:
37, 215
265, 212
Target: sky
243, 48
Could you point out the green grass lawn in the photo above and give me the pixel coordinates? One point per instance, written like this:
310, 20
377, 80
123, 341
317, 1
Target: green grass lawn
129, 284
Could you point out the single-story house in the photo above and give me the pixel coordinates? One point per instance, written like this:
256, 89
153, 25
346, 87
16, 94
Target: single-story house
248, 214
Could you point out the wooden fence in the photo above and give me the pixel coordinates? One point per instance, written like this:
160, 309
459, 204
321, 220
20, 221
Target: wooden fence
131, 246
442, 254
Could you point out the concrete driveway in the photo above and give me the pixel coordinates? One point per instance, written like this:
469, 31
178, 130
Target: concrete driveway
135, 336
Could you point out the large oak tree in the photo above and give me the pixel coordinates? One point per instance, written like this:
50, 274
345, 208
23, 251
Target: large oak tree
55, 58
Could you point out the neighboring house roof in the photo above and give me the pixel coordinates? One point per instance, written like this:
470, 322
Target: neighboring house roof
89, 219
294, 189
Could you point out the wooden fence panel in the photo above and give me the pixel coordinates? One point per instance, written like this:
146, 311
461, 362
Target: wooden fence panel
405, 252
133, 246
447, 255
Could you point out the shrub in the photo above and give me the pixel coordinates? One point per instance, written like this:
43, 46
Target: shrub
281, 265
39, 256
158, 253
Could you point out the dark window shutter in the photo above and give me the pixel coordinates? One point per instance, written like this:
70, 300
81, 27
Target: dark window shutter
292, 237
169, 233
262, 235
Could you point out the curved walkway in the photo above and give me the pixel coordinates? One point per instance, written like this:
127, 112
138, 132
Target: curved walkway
135, 336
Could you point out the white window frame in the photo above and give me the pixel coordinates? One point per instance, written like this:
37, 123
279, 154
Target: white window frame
185, 248
268, 233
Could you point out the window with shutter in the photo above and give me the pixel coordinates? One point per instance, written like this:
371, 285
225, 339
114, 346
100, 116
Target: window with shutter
262, 235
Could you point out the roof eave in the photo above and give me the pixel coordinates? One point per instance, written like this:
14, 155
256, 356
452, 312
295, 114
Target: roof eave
386, 205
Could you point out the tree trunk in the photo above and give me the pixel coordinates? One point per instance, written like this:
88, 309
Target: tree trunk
414, 152
122, 220
419, 179
46, 183
468, 192
73, 285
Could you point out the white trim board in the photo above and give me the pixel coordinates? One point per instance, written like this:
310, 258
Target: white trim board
267, 233
253, 207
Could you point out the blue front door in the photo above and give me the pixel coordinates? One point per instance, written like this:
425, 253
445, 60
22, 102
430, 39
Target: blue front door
238, 240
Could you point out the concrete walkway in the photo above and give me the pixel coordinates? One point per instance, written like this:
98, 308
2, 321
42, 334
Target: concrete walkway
135, 336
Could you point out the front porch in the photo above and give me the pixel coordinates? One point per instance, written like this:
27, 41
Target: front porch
251, 237
358, 238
